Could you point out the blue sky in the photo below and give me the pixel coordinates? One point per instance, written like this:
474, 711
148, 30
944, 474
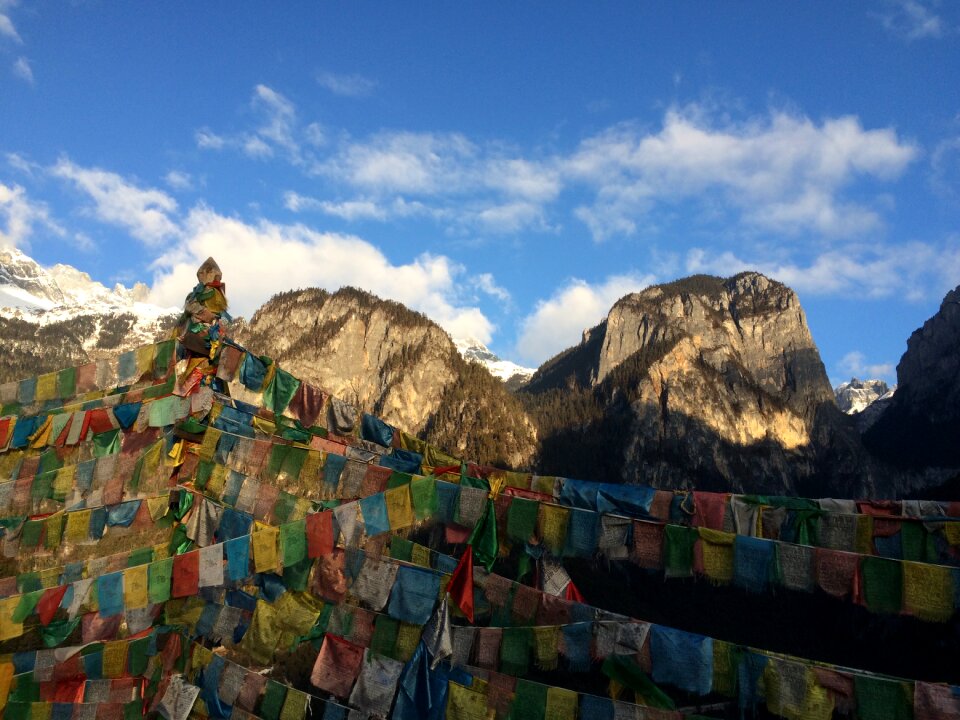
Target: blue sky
509, 169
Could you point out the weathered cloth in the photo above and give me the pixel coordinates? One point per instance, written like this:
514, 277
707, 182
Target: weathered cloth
928, 591
374, 583
795, 564
753, 559
648, 544
882, 585
682, 659
678, 551
837, 572
414, 594
376, 684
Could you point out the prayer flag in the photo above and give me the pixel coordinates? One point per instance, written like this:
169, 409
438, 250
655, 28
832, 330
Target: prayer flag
460, 587
186, 574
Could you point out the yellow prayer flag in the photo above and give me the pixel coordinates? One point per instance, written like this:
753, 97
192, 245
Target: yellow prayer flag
78, 526
928, 591
115, 658
174, 458
952, 531
218, 478
264, 545
298, 611
50, 577
158, 506
399, 507
54, 532
420, 555
41, 710
8, 628
300, 509
144, 356
538, 483
6, 677
464, 703
46, 387
41, 436
408, 637
135, 587
546, 644
561, 704
310, 471
201, 657
553, 526
63, 482
717, 550
263, 425
208, 447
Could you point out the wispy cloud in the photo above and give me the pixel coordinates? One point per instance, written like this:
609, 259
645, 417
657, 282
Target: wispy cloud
782, 172
21, 215
206, 139
147, 214
854, 364
7, 28
178, 180
352, 85
914, 271
911, 19
22, 69
559, 321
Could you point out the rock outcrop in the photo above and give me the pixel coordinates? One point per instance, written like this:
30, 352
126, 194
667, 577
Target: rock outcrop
394, 363
856, 395
707, 382
920, 428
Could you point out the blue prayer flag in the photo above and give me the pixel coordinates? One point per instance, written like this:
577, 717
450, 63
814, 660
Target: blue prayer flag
374, 509
110, 594
238, 558
682, 659
414, 595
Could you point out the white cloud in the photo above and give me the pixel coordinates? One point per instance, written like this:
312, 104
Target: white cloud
7, 28
279, 120
19, 162
945, 168
208, 140
256, 147
914, 270
911, 20
559, 322
263, 259
486, 283
22, 69
20, 215
179, 180
854, 364
145, 213
346, 85
783, 173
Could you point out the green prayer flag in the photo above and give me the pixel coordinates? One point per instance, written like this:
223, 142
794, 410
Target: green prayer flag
58, 631
26, 605
522, 519
283, 506
398, 479
272, 701
384, 640
882, 585
423, 494
280, 391
625, 670
529, 701
67, 383
32, 533
293, 542
484, 538
202, 476
515, 644
106, 443
879, 699
401, 549
159, 576
137, 656
678, 542
161, 359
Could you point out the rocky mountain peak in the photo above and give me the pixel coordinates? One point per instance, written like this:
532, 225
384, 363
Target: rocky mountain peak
855, 395
24, 283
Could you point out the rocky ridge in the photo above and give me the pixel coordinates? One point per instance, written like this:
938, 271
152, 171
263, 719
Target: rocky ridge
395, 363
705, 382
855, 395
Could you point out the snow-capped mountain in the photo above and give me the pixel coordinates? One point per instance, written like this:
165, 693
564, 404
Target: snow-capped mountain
857, 395
509, 372
59, 316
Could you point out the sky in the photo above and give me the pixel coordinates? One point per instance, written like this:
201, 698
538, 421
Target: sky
509, 169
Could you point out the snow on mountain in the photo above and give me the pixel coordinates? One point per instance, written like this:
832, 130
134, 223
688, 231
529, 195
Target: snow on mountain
507, 371
857, 395
46, 296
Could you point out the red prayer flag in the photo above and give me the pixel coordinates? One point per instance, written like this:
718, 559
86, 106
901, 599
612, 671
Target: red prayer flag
186, 574
98, 420
460, 588
572, 594
49, 602
4, 432
337, 666
319, 534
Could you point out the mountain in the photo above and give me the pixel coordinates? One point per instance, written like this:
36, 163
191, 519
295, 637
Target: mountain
921, 426
857, 395
55, 317
397, 364
704, 382
514, 376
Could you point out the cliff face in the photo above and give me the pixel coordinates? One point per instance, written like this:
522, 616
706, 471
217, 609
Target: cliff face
920, 427
396, 364
702, 382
